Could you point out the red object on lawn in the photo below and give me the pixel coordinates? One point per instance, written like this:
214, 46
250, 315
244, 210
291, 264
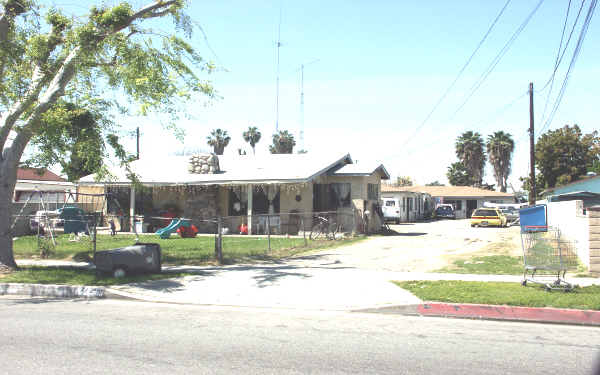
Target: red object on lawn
243, 229
188, 232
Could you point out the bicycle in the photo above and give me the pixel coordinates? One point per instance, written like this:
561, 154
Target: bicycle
323, 227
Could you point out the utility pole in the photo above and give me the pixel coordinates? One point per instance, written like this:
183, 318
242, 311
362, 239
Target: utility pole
532, 192
137, 141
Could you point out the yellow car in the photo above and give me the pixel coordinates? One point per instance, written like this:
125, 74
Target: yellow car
484, 217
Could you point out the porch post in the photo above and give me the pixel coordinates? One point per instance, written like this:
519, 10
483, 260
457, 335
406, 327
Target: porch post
249, 209
132, 209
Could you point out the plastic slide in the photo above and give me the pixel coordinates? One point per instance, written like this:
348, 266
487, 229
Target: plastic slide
165, 232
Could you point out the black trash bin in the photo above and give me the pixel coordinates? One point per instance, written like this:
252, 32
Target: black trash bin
138, 258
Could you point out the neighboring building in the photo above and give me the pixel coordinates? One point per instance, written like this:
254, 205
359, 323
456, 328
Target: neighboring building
36, 190
465, 199
35, 185
240, 188
413, 205
586, 189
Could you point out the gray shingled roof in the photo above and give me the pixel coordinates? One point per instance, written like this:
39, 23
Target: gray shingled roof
244, 169
362, 169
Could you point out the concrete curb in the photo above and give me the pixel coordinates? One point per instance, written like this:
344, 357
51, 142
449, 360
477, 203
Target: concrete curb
496, 312
45, 290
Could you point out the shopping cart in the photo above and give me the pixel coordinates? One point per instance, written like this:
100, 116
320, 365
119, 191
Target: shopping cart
546, 254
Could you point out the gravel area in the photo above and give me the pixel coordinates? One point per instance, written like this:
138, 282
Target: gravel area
421, 247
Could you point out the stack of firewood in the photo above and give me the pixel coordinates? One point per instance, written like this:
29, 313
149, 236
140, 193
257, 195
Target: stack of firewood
204, 164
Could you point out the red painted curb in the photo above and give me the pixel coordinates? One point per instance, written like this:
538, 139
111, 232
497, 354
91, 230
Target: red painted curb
531, 314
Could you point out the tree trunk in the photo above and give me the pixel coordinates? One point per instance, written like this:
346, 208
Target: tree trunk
8, 178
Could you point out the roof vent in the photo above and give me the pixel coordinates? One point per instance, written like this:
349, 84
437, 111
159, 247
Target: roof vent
204, 164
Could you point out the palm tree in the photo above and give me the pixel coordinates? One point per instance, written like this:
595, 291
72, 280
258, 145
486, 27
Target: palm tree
500, 147
469, 150
252, 136
283, 143
218, 139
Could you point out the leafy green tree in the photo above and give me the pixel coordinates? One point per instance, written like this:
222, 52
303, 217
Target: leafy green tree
500, 147
404, 181
252, 136
283, 143
458, 175
218, 139
46, 55
72, 138
470, 152
565, 154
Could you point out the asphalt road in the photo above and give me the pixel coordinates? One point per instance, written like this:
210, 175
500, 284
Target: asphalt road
109, 336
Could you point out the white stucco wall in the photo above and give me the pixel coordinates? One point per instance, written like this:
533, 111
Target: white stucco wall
573, 224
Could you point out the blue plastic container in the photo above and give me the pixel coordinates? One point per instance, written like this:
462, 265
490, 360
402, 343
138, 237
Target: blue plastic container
534, 219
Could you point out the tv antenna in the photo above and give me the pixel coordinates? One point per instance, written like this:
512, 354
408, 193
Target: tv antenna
277, 81
301, 132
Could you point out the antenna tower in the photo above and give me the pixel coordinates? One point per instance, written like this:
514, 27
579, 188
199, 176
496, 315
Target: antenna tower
277, 83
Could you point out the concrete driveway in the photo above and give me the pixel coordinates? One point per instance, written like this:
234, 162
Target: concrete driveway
352, 277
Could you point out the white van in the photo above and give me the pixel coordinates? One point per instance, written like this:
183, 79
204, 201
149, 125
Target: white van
391, 209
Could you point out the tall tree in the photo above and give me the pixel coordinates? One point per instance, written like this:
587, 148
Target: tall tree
565, 154
404, 181
218, 139
469, 150
252, 136
46, 55
458, 175
283, 143
72, 138
500, 147
435, 183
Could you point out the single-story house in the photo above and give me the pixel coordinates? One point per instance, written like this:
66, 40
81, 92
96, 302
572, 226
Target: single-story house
465, 199
37, 190
35, 185
586, 189
243, 189
413, 205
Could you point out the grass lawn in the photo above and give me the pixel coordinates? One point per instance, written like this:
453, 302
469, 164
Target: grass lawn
502, 265
177, 250
74, 276
487, 265
497, 293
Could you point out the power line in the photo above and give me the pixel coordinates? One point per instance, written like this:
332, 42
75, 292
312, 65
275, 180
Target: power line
497, 59
576, 52
560, 55
489, 120
437, 104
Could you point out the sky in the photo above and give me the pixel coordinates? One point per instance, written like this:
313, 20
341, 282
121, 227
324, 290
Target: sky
374, 72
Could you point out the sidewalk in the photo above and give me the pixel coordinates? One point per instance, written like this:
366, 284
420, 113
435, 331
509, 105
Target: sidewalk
321, 287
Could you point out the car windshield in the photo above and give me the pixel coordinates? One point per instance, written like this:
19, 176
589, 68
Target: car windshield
485, 213
444, 209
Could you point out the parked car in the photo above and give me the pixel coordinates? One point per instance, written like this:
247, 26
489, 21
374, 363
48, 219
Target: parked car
511, 213
391, 209
42, 219
445, 211
484, 217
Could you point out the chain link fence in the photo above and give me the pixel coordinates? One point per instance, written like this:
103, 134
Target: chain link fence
77, 232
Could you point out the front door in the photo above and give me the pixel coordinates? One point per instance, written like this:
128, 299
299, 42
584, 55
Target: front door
471, 206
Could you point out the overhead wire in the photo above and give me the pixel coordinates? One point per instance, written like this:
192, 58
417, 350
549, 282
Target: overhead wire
490, 120
559, 57
496, 59
445, 94
576, 52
